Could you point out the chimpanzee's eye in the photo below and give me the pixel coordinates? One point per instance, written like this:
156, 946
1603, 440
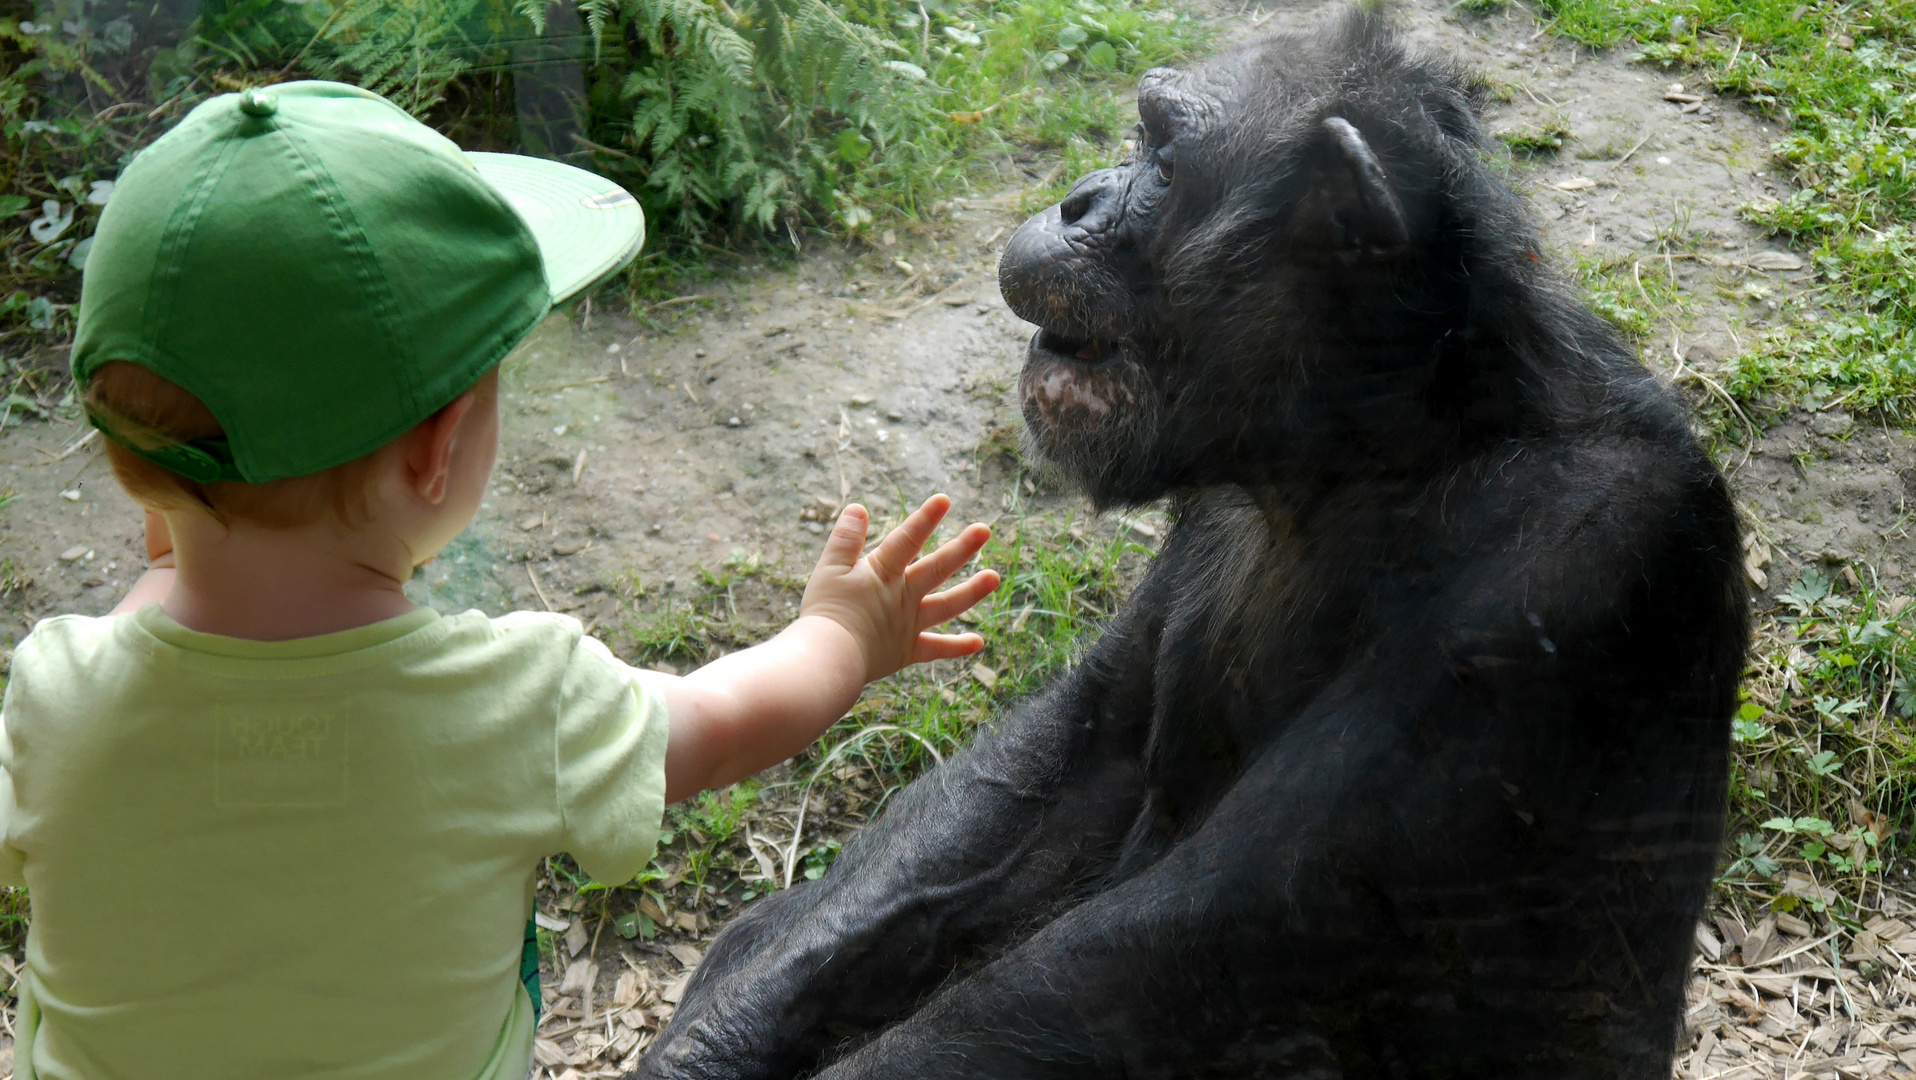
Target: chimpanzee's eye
1166, 166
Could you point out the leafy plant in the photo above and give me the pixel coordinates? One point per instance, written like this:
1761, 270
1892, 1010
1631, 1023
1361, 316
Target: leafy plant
1824, 749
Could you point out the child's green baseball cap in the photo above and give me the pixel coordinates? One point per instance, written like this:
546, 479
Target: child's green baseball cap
324, 272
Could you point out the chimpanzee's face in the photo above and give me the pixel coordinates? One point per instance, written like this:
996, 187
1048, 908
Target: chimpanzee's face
1169, 290
1093, 387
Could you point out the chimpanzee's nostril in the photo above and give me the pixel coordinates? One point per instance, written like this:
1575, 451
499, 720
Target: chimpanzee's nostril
1077, 204
1091, 201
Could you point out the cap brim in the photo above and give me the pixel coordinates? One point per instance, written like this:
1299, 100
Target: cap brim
587, 226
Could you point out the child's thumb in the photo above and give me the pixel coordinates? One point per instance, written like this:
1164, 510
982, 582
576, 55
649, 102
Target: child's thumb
847, 541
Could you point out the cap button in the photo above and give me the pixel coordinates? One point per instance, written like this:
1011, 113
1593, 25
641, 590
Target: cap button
257, 102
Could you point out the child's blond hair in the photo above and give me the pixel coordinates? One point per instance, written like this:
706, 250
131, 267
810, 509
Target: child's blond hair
152, 413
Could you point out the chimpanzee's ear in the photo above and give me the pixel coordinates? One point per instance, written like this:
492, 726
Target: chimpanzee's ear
1348, 204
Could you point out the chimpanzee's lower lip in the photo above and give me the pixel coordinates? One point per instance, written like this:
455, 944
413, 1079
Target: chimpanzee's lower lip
1089, 350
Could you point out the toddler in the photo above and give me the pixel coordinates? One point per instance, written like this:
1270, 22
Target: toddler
276, 820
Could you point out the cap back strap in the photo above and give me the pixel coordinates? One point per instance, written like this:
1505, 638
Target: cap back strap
203, 461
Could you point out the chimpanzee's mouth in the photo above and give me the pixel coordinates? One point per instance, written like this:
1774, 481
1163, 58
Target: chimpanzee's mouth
1089, 350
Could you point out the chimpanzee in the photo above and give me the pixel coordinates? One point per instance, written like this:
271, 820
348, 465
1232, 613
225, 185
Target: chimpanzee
1407, 756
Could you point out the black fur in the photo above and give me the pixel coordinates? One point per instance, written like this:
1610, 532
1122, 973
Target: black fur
1407, 757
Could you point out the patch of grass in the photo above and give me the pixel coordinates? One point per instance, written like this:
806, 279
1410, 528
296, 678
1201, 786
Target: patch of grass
1823, 792
1635, 294
1481, 7
1841, 78
1540, 141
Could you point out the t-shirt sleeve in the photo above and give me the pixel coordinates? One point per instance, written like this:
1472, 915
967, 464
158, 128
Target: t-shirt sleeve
610, 767
12, 864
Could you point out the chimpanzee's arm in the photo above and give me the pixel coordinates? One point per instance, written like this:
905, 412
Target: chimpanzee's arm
968, 857
1480, 850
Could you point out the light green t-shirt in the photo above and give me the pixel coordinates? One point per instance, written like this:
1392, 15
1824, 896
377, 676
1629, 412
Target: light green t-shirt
312, 858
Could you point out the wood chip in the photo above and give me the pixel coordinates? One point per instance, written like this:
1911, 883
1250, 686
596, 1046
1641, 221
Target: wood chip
1775, 260
576, 938
578, 975
984, 675
1686, 99
626, 990
1790, 924
1707, 942
1575, 183
671, 992
77, 551
685, 954
549, 922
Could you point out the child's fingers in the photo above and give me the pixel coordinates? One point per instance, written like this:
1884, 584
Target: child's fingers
847, 540
932, 646
939, 607
931, 571
891, 557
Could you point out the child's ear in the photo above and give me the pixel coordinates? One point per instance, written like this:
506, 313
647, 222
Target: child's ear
429, 449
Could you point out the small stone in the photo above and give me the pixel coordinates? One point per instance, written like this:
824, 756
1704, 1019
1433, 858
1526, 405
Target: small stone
859, 401
888, 238
814, 528
894, 415
77, 551
70, 496
532, 522
568, 547
560, 430
698, 352
93, 582
612, 348
733, 422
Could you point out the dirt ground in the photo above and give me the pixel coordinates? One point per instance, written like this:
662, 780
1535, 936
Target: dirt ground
725, 424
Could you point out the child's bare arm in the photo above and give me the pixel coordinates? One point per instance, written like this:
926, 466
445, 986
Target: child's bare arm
861, 619
153, 585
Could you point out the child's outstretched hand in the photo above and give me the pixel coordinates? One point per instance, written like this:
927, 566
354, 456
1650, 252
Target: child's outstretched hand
884, 598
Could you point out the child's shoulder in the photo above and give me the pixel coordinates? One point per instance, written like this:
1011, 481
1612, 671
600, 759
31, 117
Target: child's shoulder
67, 633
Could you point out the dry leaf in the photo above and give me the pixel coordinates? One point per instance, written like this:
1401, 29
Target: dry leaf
1866, 944
1775, 260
